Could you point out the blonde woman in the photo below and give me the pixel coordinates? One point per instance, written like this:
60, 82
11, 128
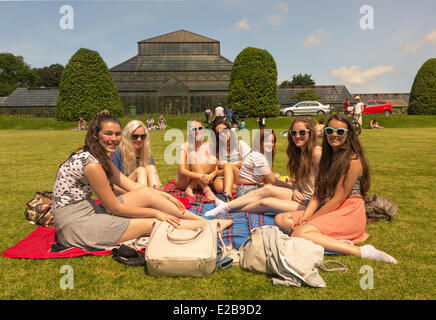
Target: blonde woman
134, 157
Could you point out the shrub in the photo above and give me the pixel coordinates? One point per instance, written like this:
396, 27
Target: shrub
423, 94
86, 88
253, 84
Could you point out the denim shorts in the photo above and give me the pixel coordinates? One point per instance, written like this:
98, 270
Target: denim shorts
244, 189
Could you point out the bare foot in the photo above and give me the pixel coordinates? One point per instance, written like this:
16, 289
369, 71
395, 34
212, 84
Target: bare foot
189, 191
223, 224
209, 194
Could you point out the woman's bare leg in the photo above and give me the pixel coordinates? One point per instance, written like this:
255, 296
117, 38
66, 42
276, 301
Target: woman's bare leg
149, 198
268, 191
152, 176
139, 227
139, 176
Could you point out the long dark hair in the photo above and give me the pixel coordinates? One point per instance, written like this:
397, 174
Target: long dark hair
334, 165
91, 143
300, 159
218, 121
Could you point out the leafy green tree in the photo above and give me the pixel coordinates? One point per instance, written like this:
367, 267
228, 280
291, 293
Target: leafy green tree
306, 95
285, 83
50, 76
302, 80
86, 88
253, 84
423, 93
15, 73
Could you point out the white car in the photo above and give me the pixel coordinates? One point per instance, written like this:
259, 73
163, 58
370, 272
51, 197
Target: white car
306, 108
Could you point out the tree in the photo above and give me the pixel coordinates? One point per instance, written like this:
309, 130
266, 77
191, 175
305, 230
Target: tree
423, 93
285, 83
302, 80
253, 84
306, 95
50, 76
86, 88
14, 73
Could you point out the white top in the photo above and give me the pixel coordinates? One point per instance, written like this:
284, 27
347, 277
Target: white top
71, 184
219, 112
237, 154
254, 167
358, 108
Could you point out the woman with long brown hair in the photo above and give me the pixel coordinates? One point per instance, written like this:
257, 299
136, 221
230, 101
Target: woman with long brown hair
82, 222
304, 156
335, 216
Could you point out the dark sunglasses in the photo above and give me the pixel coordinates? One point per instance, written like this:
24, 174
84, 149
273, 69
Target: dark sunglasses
301, 132
141, 136
340, 131
199, 129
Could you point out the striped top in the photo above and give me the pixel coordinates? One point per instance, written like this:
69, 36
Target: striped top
254, 167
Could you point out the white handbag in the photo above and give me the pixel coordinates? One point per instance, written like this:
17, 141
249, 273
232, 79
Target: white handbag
178, 252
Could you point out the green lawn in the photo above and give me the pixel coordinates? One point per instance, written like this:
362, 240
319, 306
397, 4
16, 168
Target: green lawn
402, 159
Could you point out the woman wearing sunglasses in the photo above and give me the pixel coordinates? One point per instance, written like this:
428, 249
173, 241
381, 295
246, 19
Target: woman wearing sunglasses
304, 155
134, 158
335, 216
197, 163
82, 222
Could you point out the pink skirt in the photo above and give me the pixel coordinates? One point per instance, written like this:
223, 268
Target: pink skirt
347, 222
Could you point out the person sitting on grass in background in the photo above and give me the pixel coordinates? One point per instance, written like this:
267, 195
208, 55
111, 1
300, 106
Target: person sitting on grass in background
335, 216
230, 153
197, 163
304, 155
373, 124
134, 157
320, 128
82, 222
150, 123
162, 122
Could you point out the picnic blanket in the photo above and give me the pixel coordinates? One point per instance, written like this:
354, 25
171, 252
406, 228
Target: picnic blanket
42, 242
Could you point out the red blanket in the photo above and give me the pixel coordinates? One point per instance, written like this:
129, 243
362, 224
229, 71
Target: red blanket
38, 245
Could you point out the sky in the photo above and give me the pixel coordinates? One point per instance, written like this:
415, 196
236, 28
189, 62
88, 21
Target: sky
371, 46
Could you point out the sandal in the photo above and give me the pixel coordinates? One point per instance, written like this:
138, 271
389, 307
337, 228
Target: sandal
128, 256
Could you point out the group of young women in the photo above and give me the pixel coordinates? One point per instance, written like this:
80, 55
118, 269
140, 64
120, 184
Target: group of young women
323, 201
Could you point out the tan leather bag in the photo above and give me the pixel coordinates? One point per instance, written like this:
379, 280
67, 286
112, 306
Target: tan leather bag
177, 252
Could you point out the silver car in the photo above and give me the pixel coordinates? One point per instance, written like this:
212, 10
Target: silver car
306, 108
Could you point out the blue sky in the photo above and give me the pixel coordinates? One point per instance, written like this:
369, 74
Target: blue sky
322, 38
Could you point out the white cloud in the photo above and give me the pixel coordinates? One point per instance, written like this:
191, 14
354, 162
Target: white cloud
283, 6
275, 19
315, 37
243, 24
354, 75
429, 38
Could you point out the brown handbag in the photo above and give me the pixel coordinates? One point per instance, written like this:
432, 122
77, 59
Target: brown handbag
39, 209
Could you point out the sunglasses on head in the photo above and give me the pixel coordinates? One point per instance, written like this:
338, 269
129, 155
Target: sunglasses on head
199, 129
141, 136
301, 132
340, 131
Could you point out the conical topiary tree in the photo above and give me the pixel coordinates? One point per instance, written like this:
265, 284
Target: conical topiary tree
86, 87
423, 94
253, 84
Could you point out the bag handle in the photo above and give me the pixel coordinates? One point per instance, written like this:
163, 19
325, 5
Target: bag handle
323, 267
188, 235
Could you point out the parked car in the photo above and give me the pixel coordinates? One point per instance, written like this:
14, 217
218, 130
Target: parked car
305, 108
378, 106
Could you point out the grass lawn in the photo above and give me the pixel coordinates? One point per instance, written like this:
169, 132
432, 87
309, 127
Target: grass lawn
402, 159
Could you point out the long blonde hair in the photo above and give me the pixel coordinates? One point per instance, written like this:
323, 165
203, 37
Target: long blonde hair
128, 152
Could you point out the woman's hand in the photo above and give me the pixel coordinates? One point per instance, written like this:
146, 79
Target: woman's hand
205, 178
298, 197
172, 220
299, 222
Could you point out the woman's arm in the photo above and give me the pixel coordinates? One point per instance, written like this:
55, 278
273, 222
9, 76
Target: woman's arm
271, 178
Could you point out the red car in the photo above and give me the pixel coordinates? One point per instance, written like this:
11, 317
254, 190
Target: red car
378, 106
